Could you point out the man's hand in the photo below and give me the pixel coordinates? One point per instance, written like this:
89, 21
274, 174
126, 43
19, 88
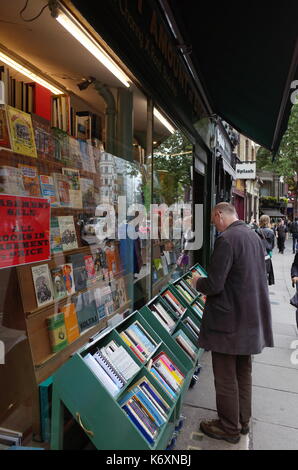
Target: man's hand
294, 280
195, 278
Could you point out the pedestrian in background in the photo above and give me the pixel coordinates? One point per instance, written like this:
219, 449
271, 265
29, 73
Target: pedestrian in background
294, 232
268, 239
281, 234
294, 276
236, 322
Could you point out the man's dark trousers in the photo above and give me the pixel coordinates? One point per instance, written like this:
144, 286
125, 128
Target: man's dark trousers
233, 387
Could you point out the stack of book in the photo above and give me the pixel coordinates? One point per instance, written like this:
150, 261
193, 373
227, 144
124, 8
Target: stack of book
173, 303
139, 341
186, 344
186, 290
145, 408
167, 374
162, 315
190, 324
113, 366
200, 270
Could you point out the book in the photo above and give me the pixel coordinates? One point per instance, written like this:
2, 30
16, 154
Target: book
90, 270
119, 292
55, 237
112, 258
42, 284
58, 283
75, 195
187, 345
100, 306
163, 314
67, 232
155, 397
21, 132
57, 331
107, 299
79, 270
132, 346
86, 310
109, 368
30, 179
71, 322
48, 189
4, 131
74, 152
122, 361
11, 181
42, 136
83, 125
62, 189
62, 142
173, 302
88, 193
138, 424
45, 399
99, 372
42, 100
68, 278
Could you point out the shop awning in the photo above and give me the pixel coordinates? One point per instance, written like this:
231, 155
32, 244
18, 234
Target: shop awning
272, 212
246, 59
228, 169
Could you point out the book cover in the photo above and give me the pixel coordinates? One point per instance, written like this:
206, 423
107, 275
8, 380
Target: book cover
4, 132
71, 322
99, 259
42, 136
48, 189
79, 270
112, 258
30, 179
57, 331
88, 193
42, 100
86, 310
62, 189
62, 141
21, 132
11, 181
107, 300
100, 306
68, 278
42, 284
56, 242
67, 232
74, 152
58, 282
90, 269
75, 194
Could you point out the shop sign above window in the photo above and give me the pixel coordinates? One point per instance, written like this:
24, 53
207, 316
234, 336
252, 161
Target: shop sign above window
246, 171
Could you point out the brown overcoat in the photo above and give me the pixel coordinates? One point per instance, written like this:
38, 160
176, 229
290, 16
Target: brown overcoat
237, 314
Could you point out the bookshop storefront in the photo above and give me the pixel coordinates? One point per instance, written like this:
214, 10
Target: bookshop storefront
96, 141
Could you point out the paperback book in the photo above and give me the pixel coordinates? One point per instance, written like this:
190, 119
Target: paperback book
79, 270
58, 283
30, 179
56, 242
62, 187
75, 195
21, 132
71, 322
86, 310
88, 193
90, 270
57, 332
42, 284
42, 136
11, 181
48, 189
67, 232
68, 278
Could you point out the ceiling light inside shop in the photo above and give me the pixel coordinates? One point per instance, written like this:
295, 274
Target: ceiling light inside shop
82, 35
163, 121
24, 71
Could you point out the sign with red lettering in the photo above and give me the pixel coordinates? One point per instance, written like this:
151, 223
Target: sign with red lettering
24, 230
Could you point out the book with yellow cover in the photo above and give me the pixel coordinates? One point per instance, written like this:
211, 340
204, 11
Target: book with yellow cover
71, 322
21, 132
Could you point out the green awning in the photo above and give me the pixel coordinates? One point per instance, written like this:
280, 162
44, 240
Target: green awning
246, 55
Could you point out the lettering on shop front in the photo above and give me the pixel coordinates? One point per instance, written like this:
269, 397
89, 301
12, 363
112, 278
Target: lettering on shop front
24, 230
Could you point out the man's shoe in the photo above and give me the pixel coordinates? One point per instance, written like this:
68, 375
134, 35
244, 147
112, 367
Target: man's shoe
244, 429
214, 429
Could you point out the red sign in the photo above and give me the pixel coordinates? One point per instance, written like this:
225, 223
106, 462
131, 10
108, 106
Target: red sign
24, 230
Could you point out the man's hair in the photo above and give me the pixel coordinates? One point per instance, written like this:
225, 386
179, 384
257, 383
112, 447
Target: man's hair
264, 220
226, 208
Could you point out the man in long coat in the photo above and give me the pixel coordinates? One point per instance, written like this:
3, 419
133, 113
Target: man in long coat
236, 321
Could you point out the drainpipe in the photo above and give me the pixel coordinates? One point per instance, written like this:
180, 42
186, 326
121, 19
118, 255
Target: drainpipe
108, 97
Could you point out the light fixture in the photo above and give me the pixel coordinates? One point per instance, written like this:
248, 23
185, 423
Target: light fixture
163, 121
24, 71
82, 35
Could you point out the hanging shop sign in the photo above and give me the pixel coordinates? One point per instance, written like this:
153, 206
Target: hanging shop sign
24, 230
246, 171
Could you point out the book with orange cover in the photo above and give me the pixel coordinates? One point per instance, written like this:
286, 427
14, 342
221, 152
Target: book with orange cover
30, 179
71, 322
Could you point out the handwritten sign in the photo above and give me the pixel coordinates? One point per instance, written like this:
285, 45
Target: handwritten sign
24, 230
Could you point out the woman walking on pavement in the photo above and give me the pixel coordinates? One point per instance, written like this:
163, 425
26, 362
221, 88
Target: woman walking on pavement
268, 239
294, 276
282, 234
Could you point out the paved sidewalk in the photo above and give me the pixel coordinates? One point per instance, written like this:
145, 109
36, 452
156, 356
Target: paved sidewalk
274, 424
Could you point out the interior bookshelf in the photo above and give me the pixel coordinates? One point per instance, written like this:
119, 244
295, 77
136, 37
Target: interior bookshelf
93, 404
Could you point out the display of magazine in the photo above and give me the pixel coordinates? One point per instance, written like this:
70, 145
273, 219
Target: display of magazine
42, 284
67, 232
58, 282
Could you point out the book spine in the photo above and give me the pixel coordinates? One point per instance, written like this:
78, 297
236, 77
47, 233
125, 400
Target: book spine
163, 383
161, 320
155, 403
137, 423
131, 334
156, 415
151, 427
167, 375
172, 370
149, 344
132, 347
